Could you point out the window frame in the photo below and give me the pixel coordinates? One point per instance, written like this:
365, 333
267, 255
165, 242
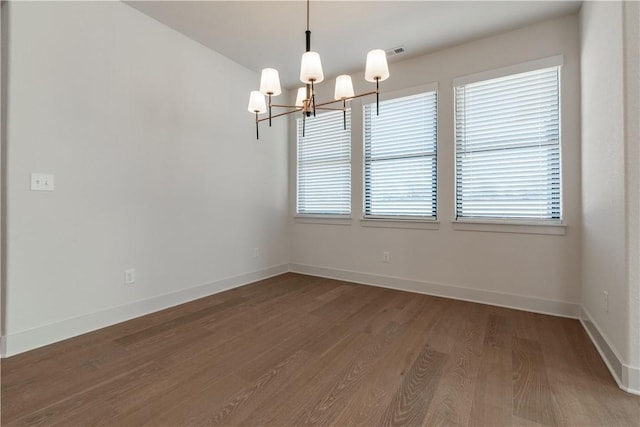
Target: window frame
511, 225
398, 221
323, 217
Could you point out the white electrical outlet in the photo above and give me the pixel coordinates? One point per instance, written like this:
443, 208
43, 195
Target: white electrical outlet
42, 182
256, 252
129, 276
386, 256
606, 301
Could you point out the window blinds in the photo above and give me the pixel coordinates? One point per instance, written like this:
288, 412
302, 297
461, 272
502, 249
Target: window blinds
324, 165
507, 147
400, 158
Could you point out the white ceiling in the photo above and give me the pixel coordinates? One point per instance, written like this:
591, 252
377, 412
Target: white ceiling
259, 34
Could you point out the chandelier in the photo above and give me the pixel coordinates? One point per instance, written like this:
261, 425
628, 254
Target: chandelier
376, 70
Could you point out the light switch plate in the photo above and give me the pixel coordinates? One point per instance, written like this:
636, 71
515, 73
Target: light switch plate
42, 182
129, 276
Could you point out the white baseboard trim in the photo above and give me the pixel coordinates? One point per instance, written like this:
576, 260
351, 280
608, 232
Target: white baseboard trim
20, 342
627, 377
520, 302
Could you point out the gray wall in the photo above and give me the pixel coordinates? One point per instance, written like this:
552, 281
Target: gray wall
156, 167
503, 265
610, 184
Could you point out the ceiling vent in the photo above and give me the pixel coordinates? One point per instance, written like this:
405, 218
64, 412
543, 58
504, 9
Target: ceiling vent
394, 51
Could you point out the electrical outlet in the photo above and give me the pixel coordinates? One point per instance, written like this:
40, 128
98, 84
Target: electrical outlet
386, 256
42, 182
606, 301
256, 252
129, 276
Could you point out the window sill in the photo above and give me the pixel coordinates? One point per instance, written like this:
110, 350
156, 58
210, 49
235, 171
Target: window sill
510, 227
415, 224
323, 219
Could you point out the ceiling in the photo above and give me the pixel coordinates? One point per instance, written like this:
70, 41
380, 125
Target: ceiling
259, 34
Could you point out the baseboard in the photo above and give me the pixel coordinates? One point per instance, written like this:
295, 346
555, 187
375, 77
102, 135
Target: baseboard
20, 342
520, 302
627, 377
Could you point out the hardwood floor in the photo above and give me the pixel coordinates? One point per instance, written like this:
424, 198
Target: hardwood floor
301, 350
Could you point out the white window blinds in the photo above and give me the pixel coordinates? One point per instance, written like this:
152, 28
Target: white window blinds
508, 147
324, 165
400, 158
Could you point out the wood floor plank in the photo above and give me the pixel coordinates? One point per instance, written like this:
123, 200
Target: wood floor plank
304, 334
61, 411
410, 403
314, 381
322, 411
367, 405
303, 350
203, 410
180, 321
453, 399
180, 413
345, 322
336, 292
492, 404
531, 390
273, 383
526, 325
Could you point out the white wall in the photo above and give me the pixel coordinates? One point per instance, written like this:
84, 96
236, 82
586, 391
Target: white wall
2, 179
609, 53
537, 272
631, 12
156, 167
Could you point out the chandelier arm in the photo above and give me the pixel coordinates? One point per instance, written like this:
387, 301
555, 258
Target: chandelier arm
347, 99
269, 109
279, 115
330, 108
285, 106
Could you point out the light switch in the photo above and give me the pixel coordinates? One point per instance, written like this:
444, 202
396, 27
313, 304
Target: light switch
42, 182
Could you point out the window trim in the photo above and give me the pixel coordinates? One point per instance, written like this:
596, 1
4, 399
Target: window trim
408, 223
323, 217
512, 225
413, 222
524, 67
335, 219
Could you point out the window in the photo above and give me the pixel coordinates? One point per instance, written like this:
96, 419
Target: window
324, 165
508, 147
400, 164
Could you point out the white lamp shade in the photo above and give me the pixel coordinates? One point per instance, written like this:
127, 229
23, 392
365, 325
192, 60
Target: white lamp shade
344, 87
311, 68
270, 82
376, 68
300, 98
256, 103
